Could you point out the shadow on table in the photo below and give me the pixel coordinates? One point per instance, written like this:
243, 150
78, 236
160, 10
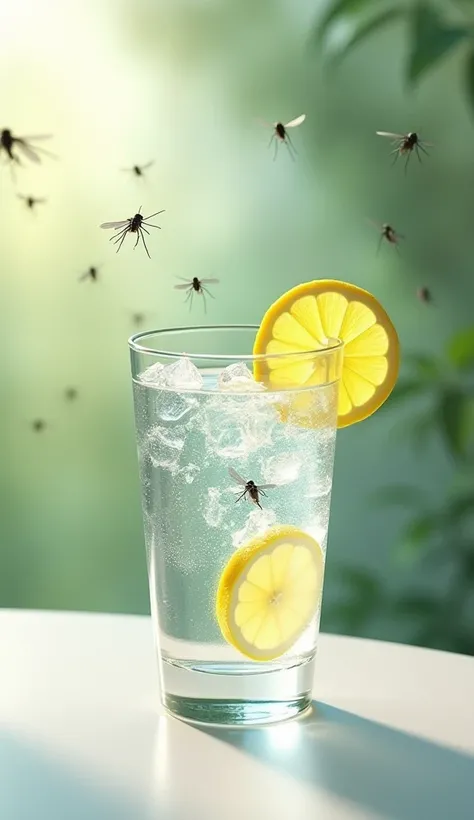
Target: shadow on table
396, 774
36, 787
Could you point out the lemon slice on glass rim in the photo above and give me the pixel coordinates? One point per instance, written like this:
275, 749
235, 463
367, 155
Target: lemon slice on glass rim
269, 591
310, 317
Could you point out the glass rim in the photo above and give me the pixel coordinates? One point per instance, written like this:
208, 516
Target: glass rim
332, 346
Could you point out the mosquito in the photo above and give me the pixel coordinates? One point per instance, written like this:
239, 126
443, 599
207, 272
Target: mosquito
250, 488
280, 134
388, 233
424, 295
9, 142
196, 286
133, 225
91, 273
38, 425
30, 201
405, 144
139, 169
138, 319
71, 393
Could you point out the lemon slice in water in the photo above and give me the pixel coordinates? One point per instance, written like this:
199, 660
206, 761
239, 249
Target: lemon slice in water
269, 592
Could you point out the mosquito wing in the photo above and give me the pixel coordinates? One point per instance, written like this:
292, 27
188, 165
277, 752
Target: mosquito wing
183, 287
390, 135
148, 165
238, 478
296, 121
28, 152
115, 225
36, 138
266, 486
209, 281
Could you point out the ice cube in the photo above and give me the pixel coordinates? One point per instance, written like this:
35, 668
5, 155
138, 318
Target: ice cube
164, 445
236, 426
183, 375
282, 469
153, 374
214, 510
237, 377
318, 470
189, 472
256, 522
171, 406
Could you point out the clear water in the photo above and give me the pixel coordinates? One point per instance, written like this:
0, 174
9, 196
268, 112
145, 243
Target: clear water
187, 441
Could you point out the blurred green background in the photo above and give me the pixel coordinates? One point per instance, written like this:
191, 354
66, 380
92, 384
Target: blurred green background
185, 83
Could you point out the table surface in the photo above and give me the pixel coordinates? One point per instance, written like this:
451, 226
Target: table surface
83, 736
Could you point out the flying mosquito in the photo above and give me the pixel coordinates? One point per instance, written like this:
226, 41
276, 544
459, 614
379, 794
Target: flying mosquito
424, 295
91, 273
250, 488
139, 169
196, 286
38, 425
405, 144
30, 201
8, 142
388, 233
134, 224
71, 393
280, 134
138, 319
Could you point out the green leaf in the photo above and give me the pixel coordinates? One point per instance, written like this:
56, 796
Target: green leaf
461, 346
405, 390
469, 78
415, 605
426, 366
454, 410
432, 39
364, 31
338, 11
416, 536
398, 495
364, 585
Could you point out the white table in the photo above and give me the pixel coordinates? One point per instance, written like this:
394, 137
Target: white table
83, 737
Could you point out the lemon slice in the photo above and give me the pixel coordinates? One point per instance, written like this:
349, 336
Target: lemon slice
269, 591
309, 317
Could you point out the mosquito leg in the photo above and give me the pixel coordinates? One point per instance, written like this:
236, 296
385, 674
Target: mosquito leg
290, 142
204, 300
207, 291
379, 244
422, 148
150, 225
397, 154
289, 149
119, 236
276, 149
262, 492
241, 496
273, 136
121, 241
140, 234
144, 229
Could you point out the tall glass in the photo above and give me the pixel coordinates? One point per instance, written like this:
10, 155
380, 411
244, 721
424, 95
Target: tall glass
203, 433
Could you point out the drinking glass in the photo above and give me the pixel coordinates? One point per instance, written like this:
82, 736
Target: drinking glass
214, 423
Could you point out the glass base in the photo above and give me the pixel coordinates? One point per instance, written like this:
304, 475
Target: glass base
236, 694
235, 712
